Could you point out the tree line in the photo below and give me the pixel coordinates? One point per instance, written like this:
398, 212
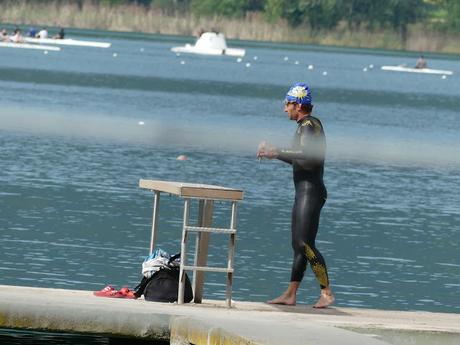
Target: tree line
318, 15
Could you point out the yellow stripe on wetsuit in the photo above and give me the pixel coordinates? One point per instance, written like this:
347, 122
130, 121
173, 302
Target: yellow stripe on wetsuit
318, 268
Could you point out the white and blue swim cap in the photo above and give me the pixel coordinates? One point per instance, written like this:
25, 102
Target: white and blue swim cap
299, 93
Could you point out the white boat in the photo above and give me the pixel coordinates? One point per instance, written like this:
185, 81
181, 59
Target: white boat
416, 70
67, 42
28, 46
210, 43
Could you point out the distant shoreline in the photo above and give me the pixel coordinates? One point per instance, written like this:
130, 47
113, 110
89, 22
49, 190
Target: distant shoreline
134, 18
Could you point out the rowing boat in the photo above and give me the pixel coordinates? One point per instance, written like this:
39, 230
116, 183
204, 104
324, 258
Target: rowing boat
28, 46
210, 43
68, 42
416, 70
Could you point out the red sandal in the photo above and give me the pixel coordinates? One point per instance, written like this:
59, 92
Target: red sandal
126, 293
108, 291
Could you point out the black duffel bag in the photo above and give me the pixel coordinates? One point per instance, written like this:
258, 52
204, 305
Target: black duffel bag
163, 286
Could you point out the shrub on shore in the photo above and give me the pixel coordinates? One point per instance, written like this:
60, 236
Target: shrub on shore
251, 26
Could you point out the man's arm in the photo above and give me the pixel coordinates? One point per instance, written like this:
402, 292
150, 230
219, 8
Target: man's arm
310, 147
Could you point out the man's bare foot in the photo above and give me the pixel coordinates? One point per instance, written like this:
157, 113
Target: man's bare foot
283, 299
325, 300
289, 296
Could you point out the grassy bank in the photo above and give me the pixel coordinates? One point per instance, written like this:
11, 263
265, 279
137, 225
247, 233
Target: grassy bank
253, 27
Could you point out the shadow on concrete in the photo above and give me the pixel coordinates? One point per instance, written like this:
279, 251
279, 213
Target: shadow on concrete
265, 307
305, 309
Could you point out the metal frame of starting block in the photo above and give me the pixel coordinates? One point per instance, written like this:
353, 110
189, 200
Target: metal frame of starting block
206, 195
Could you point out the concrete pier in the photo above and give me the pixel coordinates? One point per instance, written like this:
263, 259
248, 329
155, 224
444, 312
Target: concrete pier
58, 310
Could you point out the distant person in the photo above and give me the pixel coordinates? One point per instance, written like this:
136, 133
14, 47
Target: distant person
421, 62
32, 32
43, 33
17, 36
307, 159
60, 35
4, 35
200, 32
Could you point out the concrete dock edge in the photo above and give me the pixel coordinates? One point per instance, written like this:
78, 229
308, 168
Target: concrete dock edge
185, 331
247, 323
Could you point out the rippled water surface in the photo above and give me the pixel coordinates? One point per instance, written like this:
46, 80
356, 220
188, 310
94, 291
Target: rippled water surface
72, 152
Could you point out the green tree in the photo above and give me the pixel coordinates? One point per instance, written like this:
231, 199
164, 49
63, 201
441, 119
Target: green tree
451, 8
394, 14
405, 12
112, 2
274, 9
322, 14
172, 7
227, 8
362, 12
293, 12
318, 14
255, 5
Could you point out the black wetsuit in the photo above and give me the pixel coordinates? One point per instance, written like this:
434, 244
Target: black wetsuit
307, 159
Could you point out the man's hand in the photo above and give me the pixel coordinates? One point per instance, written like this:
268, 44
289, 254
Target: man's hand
265, 150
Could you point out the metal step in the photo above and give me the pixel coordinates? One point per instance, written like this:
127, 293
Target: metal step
208, 269
213, 230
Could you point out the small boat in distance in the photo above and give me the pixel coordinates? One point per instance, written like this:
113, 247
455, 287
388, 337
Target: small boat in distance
210, 43
67, 42
416, 70
27, 46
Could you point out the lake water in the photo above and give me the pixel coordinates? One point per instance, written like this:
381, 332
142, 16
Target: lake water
72, 152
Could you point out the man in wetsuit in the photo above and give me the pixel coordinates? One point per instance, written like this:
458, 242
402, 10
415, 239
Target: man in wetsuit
307, 159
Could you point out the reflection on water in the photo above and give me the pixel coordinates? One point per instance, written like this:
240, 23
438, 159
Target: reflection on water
22, 337
25, 337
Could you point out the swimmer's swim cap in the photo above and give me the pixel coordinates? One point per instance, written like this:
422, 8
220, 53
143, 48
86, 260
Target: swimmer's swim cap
299, 93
